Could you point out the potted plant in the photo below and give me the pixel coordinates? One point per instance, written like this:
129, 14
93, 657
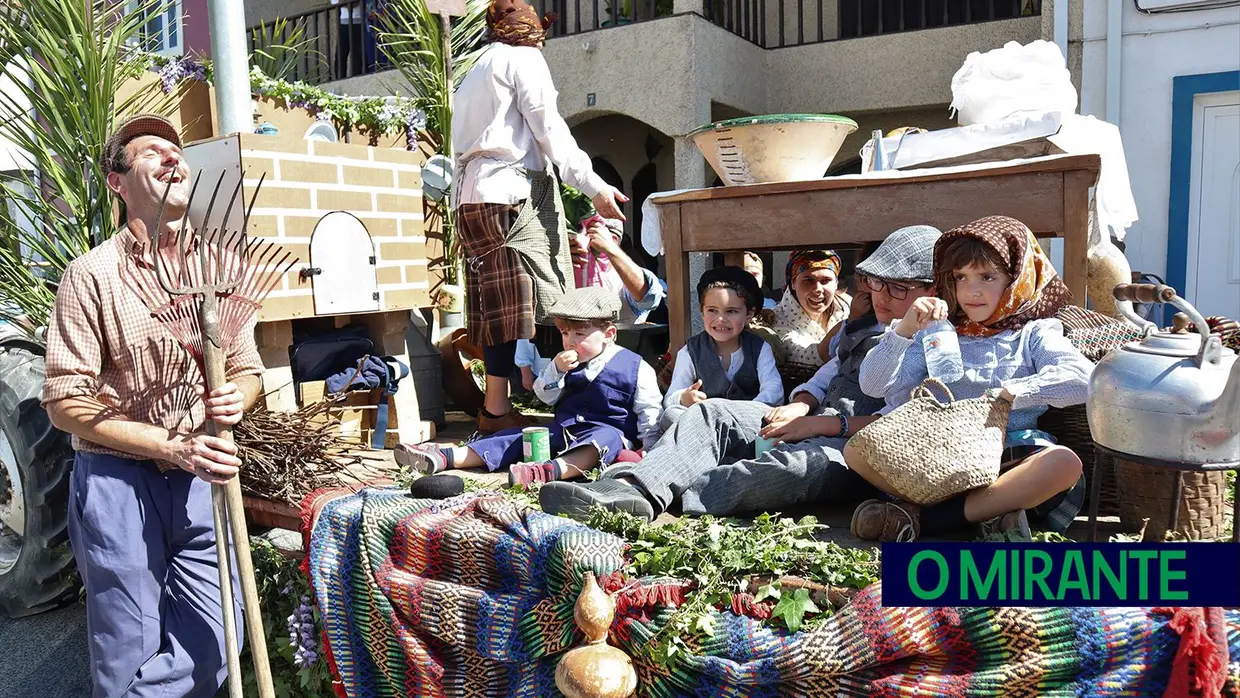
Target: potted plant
621, 13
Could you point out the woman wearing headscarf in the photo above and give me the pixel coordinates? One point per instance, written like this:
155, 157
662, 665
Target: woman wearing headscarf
506, 133
812, 306
1001, 293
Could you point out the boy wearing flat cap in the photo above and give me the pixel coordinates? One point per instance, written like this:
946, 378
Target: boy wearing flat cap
707, 459
606, 400
725, 360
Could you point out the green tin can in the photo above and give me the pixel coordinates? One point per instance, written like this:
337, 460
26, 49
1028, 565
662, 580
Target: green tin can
536, 444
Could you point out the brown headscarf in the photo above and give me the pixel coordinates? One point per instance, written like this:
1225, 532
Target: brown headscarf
1036, 291
516, 23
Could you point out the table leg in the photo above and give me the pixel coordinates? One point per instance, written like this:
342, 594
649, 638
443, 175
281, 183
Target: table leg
1095, 490
1076, 233
1177, 489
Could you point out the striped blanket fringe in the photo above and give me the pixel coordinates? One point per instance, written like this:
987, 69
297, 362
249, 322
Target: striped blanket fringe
473, 596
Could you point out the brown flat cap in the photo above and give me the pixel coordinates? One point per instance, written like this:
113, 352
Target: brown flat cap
131, 128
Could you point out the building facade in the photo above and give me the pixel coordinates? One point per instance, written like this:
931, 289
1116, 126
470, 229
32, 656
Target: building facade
1167, 73
633, 84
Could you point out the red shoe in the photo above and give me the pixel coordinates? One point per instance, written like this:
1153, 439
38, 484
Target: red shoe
525, 474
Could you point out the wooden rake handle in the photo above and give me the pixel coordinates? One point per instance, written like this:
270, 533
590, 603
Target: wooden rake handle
213, 363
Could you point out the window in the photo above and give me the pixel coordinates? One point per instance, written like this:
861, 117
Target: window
162, 31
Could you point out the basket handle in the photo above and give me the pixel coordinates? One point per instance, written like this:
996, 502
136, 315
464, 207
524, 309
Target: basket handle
923, 390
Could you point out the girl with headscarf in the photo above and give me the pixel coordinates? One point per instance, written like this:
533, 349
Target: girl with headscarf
811, 309
507, 133
1001, 293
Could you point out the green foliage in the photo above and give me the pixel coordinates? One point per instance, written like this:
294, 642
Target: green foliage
281, 588
412, 38
64, 62
279, 47
577, 206
720, 556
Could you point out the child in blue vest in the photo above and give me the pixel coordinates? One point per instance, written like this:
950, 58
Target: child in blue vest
606, 400
725, 360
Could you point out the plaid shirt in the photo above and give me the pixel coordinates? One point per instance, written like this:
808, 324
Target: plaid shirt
103, 343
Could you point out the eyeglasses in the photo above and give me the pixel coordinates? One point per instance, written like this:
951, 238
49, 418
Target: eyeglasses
896, 291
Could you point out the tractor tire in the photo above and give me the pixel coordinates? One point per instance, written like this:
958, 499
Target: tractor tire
37, 570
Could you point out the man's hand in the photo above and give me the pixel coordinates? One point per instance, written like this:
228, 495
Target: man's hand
527, 377
566, 360
601, 239
921, 314
803, 428
780, 416
693, 394
226, 405
607, 203
212, 459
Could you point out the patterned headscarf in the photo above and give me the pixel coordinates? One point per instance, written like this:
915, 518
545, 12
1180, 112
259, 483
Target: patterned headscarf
1036, 291
516, 23
802, 261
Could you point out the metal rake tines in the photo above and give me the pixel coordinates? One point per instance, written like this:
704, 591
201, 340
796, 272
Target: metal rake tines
210, 261
220, 252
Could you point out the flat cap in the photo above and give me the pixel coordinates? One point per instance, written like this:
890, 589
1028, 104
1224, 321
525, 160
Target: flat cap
906, 255
592, 303
131, 128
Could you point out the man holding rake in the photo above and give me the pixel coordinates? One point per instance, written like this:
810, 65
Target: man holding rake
140, 508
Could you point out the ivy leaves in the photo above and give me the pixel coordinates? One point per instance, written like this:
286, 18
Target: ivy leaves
721, 556
792, 608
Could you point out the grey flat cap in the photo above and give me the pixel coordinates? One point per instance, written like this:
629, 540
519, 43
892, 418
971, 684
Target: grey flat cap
906, 255
591, 303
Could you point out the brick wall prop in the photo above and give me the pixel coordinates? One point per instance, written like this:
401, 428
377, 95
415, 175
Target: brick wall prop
305, 180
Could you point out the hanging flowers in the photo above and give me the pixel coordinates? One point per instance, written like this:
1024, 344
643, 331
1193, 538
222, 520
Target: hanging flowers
381, 116
301, 635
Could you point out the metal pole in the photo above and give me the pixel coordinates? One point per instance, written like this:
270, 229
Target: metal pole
233, 110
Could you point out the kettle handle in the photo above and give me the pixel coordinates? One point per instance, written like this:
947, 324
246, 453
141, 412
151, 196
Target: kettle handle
1144, 293
1211, 348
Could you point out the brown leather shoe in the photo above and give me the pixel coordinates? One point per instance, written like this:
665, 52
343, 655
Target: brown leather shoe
510, 420
888, 522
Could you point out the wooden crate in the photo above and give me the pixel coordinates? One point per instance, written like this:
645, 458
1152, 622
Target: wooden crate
357, 412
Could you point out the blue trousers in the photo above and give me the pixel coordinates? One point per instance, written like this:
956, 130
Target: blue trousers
145, 547
503, 448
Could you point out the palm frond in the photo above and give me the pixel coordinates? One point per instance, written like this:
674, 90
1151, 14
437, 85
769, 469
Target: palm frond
61, 66
280, 46
412, 38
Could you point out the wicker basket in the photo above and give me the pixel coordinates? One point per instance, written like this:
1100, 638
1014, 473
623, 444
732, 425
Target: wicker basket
1070, 427
1145, 493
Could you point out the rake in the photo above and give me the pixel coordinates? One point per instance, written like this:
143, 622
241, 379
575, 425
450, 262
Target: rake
205, 286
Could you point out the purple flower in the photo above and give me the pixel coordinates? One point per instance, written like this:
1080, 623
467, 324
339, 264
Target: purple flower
302, 634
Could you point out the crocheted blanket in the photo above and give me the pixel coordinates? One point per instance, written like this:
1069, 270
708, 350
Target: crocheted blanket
474, 596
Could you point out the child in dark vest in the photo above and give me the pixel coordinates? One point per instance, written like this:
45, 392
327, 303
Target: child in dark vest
725, 360
606, 400
708, 460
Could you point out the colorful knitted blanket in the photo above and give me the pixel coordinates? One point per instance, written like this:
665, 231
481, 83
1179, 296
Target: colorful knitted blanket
474, 596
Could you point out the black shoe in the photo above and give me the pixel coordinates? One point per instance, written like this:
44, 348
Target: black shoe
574, 500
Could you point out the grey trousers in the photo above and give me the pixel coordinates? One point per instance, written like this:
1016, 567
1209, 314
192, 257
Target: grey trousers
707, 460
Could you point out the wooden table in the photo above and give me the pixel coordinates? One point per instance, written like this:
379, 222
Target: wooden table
1050, 195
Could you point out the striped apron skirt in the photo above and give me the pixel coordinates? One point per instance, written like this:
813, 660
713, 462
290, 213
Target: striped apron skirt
517, 263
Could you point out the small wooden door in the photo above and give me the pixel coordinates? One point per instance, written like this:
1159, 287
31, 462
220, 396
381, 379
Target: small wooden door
342, 264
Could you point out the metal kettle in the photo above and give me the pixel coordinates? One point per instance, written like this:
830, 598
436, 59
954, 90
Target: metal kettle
1170, 397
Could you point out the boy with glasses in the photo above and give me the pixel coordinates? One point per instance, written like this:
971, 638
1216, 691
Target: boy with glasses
707, 459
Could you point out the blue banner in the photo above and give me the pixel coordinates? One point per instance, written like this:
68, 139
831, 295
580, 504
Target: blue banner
1061, 574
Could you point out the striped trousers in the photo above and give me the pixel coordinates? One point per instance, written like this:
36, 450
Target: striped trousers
707, 461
